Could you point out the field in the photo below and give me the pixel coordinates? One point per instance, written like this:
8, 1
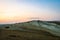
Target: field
15, 32
26, 35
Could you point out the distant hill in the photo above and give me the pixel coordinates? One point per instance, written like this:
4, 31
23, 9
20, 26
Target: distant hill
35, 25
31, 30
56, 22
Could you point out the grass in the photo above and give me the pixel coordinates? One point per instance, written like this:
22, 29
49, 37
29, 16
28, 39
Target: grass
26, 35
31, 34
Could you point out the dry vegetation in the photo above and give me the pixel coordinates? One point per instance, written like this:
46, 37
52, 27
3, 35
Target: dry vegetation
26, 35
31, 34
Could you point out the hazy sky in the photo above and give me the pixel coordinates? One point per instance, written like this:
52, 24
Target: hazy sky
22, 10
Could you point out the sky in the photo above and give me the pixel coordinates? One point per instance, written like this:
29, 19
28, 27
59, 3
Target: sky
12, 11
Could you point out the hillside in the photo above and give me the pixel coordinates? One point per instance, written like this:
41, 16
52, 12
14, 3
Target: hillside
31, 30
